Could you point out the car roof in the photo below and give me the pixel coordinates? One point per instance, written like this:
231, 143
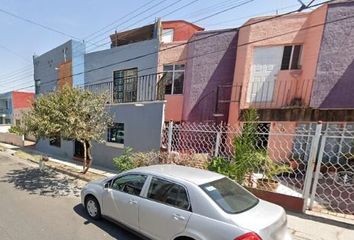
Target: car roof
193, 175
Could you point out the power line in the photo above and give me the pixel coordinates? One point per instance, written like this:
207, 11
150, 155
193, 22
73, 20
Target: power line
131, 18
203, 18
14, 53
142, 12
188, 4
18, 71
32, 22
38, 24
212, 35
141, 56
114, 22
140, 20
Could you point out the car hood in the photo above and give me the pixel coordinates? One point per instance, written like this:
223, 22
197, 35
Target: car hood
266, 219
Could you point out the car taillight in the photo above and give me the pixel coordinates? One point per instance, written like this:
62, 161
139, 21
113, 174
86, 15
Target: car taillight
249, 236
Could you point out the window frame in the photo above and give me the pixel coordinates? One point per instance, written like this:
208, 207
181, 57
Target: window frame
135, 85
142, 191
52, 142
289, 68
115, 144
174, 71
151, 177
37, 86
168, 30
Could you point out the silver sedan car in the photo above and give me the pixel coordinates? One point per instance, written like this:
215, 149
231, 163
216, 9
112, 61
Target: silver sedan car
170, 202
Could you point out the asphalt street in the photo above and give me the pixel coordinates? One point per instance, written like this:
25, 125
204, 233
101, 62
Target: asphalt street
37, 205
46, 205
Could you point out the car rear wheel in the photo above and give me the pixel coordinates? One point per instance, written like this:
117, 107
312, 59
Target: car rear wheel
92, 207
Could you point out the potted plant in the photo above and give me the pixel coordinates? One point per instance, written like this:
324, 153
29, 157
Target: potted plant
270, 169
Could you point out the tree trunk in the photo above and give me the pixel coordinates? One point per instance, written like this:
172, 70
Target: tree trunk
84, 166
87, 157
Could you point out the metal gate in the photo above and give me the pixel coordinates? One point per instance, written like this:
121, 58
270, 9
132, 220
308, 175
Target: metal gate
332, 189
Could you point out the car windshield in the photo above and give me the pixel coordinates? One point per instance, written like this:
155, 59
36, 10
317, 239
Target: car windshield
230, 196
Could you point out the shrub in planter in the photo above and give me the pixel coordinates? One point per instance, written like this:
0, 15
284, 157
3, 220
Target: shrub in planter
124, 162
270, 169
141, 159
129, 159
196, 160
16, 130
222, 166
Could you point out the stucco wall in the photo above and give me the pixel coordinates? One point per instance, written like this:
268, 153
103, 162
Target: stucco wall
302, 28
334, 85
46, 65
182, 30
210, 63
22, 99
120, 58
173, 53
142, 132
12, 138
66, 150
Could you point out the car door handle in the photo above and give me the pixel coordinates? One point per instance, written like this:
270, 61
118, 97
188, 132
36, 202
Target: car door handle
178, 217
133, 202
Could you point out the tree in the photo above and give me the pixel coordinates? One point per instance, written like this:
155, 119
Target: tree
72, 114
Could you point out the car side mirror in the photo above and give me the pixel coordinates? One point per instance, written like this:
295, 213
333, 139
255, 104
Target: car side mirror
107, 184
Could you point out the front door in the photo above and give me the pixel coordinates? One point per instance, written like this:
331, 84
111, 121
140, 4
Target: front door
266, 65
78, 149
121, 199
165, 211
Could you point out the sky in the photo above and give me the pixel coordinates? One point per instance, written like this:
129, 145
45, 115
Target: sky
82, 20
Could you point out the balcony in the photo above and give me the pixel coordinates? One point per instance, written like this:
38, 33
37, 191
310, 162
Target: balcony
279, 93
144, 88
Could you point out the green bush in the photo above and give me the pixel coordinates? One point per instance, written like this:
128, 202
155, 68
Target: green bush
129, 159
222, 166
247, 158
124, 162
16, 130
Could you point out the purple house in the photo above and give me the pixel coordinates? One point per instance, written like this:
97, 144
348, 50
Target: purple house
209, 75
334, 82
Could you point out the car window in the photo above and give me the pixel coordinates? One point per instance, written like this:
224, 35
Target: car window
169, 193
230, 196
132, 183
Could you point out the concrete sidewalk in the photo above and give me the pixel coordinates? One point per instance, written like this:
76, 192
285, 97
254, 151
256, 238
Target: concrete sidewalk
311, 227
64, 165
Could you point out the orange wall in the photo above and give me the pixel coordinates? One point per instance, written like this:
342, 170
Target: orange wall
292, 29
174, 108
65, 74
281, 141
182, 30
177, 55
22, 99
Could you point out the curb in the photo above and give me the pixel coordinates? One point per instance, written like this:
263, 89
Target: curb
61, 170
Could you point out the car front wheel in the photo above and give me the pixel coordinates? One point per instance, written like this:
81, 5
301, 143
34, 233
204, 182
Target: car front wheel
92, 207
